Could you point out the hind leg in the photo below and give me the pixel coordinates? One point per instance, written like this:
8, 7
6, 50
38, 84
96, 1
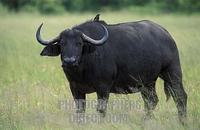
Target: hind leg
173, 79
180, 98
167, 90
150, 99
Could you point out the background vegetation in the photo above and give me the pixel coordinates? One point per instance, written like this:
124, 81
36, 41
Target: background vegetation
31, 86
55, 6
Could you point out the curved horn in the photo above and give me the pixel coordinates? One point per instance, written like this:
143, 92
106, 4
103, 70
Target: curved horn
43, 42
97, 42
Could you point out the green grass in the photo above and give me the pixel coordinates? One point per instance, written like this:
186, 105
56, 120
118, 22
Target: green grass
31, 85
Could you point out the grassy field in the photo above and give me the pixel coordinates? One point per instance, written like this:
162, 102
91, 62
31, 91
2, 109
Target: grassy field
31, 86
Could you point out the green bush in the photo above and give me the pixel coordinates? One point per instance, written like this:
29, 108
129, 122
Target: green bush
80, 5
54, 6
140, 2
49, 6
14, 5
190, 5
3, 9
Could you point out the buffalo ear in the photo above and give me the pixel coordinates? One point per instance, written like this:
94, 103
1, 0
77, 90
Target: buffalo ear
97, 17
51, 50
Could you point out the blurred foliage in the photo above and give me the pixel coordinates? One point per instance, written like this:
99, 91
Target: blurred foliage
14, 4
53, 6
31, 86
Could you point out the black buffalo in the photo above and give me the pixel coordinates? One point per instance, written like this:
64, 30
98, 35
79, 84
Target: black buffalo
127, 58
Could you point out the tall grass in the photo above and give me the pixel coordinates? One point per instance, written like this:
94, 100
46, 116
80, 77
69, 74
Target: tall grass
31, 86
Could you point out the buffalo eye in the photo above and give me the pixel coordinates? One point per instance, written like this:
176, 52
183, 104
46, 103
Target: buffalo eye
80, 43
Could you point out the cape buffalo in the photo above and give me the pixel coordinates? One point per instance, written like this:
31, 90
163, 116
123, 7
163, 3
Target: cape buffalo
127, 58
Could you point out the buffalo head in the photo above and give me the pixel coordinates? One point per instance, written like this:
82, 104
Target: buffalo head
69, 43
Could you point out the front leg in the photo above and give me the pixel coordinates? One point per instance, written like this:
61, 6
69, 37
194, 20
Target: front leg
103, 91
150, 99
79, 98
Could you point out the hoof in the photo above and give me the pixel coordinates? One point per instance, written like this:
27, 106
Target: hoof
102, 113
149, 116
80, 111
183, 120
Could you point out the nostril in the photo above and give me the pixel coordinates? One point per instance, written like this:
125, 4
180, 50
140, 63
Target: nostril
69, 60
73, 59
66, 59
